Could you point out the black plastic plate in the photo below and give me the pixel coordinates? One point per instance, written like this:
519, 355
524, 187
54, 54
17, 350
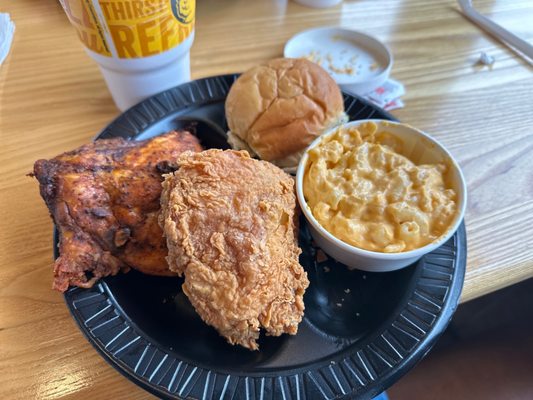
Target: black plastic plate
361, 332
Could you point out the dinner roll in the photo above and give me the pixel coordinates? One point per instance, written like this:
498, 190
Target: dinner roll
276, 109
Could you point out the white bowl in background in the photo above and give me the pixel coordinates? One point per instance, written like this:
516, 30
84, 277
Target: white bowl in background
340, 47
420, 148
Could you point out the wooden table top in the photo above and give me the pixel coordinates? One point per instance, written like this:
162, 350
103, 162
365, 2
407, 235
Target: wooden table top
53, 99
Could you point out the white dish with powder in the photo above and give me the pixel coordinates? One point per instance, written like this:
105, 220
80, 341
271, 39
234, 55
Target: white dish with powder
358, 62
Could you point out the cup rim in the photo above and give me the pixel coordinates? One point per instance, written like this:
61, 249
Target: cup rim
369, 253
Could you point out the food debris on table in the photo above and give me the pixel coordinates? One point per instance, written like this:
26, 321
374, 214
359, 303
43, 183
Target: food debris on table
485, 59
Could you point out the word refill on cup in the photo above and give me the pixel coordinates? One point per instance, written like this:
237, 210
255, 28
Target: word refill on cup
141, 46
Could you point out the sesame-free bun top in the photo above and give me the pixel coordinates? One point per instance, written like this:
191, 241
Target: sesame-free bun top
276, 109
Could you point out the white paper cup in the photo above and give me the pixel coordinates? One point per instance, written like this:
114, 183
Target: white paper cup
141, 47
131, 81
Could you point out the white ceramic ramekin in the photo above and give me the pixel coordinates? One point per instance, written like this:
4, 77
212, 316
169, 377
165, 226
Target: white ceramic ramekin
420, 148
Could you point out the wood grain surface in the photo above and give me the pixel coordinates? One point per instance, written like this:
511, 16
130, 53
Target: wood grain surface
53, 99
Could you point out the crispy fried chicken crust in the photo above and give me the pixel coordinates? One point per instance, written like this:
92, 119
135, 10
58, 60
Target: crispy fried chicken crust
104, 200
230, 225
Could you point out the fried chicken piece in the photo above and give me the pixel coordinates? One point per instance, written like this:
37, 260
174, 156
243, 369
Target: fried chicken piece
230, 224
104, 200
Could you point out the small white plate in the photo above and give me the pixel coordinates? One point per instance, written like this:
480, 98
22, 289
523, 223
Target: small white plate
358, 62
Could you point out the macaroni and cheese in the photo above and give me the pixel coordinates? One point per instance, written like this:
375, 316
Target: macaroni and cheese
362, 190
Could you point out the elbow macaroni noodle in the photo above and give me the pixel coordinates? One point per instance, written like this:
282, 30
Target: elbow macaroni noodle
364, 192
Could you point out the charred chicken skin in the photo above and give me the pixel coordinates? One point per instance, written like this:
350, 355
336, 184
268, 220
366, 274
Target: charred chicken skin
104, 200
